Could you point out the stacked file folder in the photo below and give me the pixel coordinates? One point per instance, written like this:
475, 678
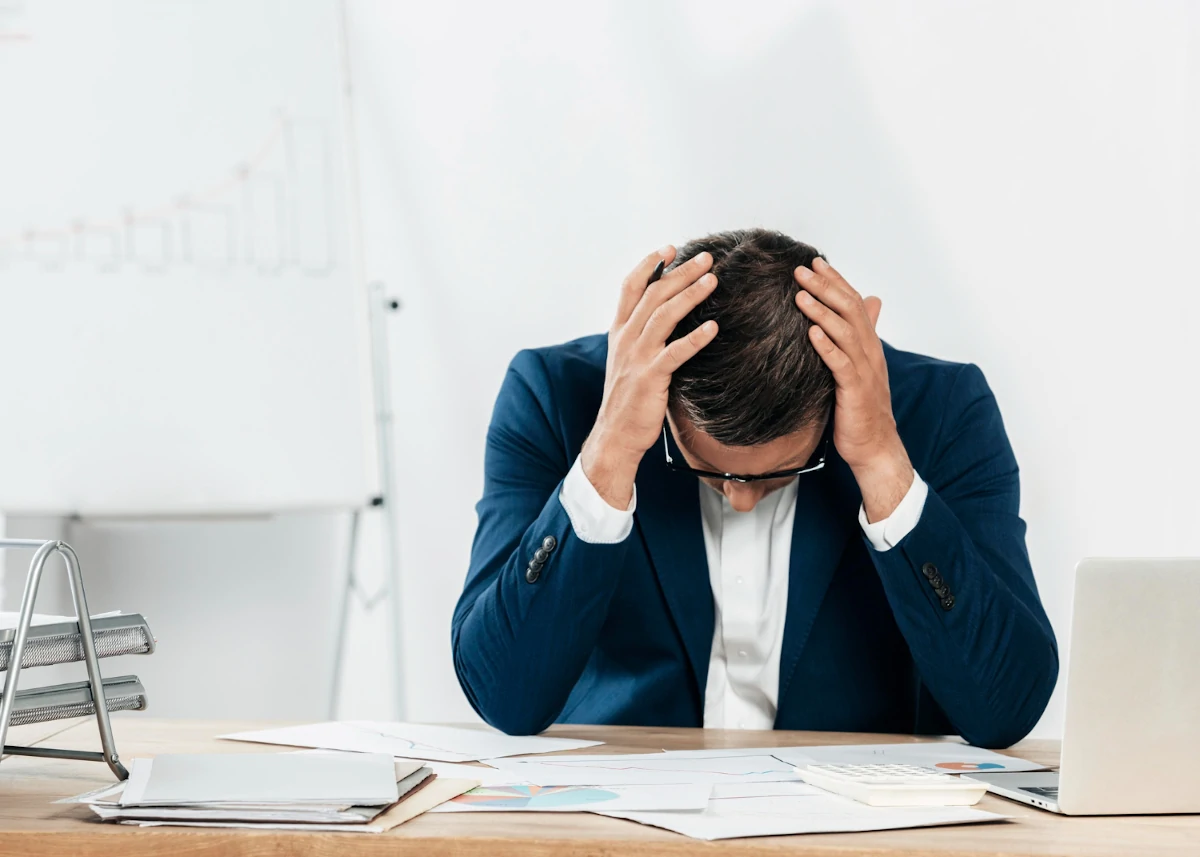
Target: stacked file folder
355, 792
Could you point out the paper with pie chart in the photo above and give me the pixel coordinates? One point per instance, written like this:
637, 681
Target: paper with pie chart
531, 798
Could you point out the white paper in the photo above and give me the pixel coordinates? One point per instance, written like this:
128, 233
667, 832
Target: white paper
530, 798
239, 815
651, 769
410, 740
8, 621
746, 811
105, 795
261, 778
487, 776
945, 757
279, 825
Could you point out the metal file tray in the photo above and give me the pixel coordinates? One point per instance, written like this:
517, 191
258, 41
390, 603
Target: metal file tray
60, 701
59, 643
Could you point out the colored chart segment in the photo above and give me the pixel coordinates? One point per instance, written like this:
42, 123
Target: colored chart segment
959, 767
535, 797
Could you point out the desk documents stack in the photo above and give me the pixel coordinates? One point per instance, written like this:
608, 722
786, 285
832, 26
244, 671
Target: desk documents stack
703, 794
343, 792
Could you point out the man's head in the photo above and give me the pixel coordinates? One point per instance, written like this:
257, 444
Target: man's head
755, 399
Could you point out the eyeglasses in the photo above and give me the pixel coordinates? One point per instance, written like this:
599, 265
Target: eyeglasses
731, 477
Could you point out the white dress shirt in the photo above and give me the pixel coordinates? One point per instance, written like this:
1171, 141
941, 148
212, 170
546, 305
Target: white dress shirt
749, 561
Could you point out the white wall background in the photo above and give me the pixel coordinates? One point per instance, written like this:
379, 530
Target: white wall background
1016, 180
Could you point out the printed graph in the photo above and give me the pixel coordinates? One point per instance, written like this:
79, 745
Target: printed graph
650, 769
960, 767
271, 213
11, 23
535, 797
733, 768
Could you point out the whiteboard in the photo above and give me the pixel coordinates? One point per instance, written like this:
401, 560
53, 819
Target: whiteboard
181, 326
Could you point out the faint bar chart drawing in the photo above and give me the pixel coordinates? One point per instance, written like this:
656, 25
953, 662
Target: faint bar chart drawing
271, 214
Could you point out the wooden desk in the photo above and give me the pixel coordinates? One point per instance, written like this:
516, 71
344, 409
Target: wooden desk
31, 825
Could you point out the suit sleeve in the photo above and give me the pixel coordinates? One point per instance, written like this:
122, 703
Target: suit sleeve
520, 641
960, 583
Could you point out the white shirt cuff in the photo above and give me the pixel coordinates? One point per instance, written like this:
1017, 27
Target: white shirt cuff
593, 520
889, 532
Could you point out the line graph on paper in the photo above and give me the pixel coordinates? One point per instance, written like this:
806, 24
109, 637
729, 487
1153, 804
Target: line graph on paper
650, 769
410, 740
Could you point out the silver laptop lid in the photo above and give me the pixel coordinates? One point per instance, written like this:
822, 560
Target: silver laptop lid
1131, 738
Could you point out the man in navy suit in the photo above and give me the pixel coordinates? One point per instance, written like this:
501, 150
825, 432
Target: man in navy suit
741, 509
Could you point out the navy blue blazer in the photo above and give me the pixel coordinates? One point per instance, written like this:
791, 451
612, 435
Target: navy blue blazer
622, 633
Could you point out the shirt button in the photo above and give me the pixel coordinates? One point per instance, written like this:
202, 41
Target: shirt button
741, 653
739, 580
741, 724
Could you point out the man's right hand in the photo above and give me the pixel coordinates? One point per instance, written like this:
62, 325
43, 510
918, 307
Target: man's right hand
640, 364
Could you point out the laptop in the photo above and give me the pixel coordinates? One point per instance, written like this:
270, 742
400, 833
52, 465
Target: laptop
1131, 736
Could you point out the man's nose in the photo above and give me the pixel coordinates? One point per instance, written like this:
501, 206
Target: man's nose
743, 497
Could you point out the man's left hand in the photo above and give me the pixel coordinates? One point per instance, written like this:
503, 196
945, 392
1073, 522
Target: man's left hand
864, 430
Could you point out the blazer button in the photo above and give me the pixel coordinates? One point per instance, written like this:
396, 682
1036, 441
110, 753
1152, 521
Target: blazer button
941, 592
532, 574
929, 570
549, 543
948, 602
541, 555
936, 581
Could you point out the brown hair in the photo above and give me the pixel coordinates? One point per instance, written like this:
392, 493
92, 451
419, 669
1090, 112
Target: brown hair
761, 378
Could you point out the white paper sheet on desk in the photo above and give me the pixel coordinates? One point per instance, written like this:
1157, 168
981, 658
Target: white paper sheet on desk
946, 757
486, 775
410, 740
697, 768
8, 621
436, 792
781, 809
530, 798
261, 778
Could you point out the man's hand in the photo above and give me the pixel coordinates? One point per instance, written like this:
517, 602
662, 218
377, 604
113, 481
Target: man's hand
639, 369
864, 430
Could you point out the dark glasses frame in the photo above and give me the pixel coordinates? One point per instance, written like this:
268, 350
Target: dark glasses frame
733, 477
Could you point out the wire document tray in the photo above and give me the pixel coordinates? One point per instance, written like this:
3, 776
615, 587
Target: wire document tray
60, 642
62, 701
84, 639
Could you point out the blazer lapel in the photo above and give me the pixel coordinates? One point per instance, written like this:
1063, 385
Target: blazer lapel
826, 510
668, 517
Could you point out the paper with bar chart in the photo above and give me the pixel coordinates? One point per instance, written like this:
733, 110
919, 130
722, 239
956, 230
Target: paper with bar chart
175, 253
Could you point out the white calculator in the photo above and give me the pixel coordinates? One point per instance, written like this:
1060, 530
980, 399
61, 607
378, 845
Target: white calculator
894, 785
